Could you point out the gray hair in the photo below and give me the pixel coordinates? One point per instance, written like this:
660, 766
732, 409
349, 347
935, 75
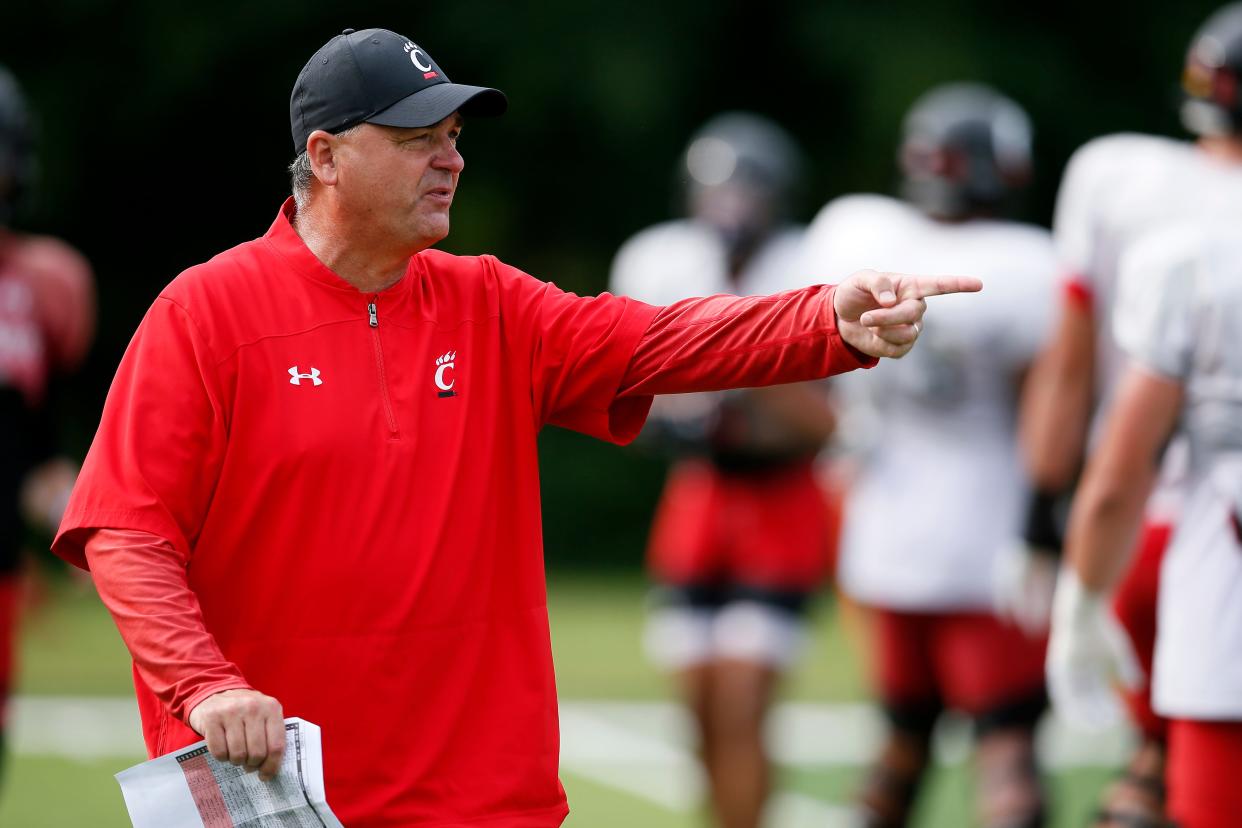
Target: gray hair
301, 174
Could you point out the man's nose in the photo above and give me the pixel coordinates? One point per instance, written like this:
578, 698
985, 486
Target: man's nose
449, 159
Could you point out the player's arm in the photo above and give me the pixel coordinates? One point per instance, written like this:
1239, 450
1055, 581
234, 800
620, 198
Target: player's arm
1025, 572
1057, 399
63, 287
1087, 649
142, 580
1109, 504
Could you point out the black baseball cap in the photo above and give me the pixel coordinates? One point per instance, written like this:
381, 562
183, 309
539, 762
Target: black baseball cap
379, 77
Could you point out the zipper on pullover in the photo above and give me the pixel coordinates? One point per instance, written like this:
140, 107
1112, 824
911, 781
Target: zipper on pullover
373, 321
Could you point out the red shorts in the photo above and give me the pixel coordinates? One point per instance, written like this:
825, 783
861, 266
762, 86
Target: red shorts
1135, 607
969, 661
764, 529
1203, 772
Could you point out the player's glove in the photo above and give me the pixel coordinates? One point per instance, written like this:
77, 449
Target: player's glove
1023, 581
1087, 653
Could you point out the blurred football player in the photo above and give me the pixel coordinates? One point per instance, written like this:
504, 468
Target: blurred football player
46, 324
944, 423
1178, 317
739, 540
1116, 190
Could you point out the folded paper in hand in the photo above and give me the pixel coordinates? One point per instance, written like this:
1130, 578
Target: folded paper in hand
188, 788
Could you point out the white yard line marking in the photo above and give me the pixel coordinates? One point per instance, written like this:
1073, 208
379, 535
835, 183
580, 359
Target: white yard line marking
639, 760
75, 727
596, 735
803, 734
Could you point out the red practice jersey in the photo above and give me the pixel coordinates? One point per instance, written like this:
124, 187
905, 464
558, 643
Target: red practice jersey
47, 320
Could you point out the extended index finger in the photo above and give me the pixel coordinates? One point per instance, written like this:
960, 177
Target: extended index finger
939, 285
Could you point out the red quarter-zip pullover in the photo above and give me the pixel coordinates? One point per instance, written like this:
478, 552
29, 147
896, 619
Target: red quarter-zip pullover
347, 484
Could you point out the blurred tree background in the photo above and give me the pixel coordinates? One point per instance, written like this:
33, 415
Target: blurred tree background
164, 136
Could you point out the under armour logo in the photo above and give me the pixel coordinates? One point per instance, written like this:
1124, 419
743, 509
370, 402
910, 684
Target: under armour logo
444, 364
296, 379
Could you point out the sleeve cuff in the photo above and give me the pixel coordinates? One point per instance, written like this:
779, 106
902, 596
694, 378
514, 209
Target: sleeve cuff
860, 359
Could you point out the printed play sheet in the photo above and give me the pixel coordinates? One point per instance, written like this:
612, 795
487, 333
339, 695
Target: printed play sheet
189, 789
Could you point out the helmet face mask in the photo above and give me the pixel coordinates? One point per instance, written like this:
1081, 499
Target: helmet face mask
1212, 103
965, 150
740, 213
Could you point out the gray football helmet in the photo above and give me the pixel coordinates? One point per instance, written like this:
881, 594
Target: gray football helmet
1211, 103
965, 149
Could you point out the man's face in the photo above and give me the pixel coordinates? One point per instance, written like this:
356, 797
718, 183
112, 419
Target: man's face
400, 182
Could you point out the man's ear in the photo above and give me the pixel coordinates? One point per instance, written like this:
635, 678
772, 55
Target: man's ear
321, 151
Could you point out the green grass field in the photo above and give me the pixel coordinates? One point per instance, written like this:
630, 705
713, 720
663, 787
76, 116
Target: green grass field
69, 647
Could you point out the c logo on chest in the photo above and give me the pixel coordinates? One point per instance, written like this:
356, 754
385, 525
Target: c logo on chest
446, 368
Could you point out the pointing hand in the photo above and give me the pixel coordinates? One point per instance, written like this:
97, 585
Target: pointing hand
881, 314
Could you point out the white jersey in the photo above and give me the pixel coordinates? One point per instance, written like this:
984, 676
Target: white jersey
940, 487
1119, 189
1179, 314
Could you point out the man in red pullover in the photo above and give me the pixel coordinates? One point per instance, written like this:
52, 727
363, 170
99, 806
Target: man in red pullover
314, 490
